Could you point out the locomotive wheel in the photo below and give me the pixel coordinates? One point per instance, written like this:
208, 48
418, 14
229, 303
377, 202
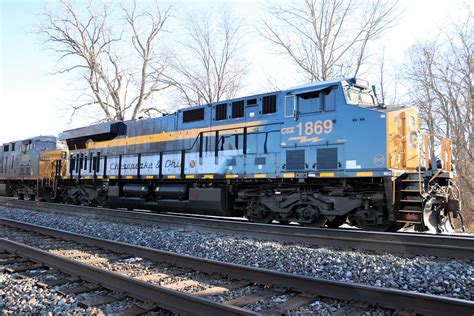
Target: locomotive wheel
382, 228
262, 220
259, 213
335, 223
310, 216
320, 221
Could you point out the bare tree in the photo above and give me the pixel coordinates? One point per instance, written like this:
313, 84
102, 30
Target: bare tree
440, 77
387, 81
327, 38
88, 42
210, 67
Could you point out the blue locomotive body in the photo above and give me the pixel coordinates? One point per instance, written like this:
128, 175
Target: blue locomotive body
309, 131
321, 154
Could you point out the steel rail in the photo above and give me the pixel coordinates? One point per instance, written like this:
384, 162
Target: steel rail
175, 301
458, 247
384, 297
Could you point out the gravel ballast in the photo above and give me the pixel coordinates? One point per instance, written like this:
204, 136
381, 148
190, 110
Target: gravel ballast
452, 278
19, 295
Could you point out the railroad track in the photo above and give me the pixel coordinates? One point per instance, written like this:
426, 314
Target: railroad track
189, 285
48, 276
448, 246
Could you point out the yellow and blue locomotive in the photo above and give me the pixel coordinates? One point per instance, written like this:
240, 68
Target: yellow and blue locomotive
320, 154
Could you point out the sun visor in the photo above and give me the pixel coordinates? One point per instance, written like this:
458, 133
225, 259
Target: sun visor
314, 89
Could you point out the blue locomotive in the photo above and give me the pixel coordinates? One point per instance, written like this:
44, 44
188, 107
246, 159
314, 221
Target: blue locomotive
320, 154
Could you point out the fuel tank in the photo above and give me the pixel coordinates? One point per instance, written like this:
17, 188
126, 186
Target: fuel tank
172, 191
136, 190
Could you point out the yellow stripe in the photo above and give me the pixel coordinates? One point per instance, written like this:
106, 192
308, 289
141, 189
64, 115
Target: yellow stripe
165, 137
231, 176
289, 175
100, 177
170, 177
87, 177
112, 177
128, 177
149, 177
364, 174
326, 174
190, 176
260, 175
208, 176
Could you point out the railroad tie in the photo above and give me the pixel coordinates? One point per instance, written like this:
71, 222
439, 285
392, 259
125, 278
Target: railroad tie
47, 283
154, 277
82, 288
95, 260
221, 289
291, 304
158, 276
6, 255
138, 309
26, 267
352, 309
70, 253
13, 259
100, 300
250, 299
180, 285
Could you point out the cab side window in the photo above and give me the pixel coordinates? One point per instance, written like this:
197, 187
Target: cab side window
317, 101
330, 100
310, 102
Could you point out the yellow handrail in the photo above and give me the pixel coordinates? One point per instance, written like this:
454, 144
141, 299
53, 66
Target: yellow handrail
445, 151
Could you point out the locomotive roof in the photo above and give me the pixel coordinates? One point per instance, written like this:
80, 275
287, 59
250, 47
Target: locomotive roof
104, 127
114, 127
40, 138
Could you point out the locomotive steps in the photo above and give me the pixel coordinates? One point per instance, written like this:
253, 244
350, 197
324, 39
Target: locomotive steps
186, 284
446, 246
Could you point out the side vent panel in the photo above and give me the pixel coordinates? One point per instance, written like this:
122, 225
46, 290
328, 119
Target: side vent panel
259, 160
295, 160
326, 158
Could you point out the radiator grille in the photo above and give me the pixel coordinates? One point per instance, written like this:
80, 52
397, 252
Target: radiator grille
327, 158
295, 160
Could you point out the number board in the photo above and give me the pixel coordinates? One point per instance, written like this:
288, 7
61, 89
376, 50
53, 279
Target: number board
309, 131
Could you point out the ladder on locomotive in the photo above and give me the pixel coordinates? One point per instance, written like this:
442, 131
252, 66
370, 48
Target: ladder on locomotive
412, 199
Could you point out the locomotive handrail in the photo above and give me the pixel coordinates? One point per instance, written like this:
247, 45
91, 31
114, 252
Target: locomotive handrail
445, 149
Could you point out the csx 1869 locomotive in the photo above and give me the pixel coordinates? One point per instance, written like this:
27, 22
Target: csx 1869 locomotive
320, 154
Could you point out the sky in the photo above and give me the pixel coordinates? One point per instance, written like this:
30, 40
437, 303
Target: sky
33, 101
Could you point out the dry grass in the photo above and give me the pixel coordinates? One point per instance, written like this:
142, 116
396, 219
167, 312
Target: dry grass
470, 228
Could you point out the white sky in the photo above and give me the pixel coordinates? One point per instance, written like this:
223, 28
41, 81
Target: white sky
33, 102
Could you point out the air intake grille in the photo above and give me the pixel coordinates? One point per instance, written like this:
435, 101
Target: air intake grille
295, 160
221, 112
269, 104
327, 158
237, 109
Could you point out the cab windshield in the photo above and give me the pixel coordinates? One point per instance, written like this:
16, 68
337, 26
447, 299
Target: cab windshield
44, 145
359, 96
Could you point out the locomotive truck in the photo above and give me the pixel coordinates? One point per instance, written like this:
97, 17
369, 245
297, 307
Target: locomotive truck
322, 154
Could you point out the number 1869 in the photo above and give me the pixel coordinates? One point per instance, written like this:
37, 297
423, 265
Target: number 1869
317, 127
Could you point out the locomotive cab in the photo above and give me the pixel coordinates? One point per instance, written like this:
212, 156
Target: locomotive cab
20, 162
